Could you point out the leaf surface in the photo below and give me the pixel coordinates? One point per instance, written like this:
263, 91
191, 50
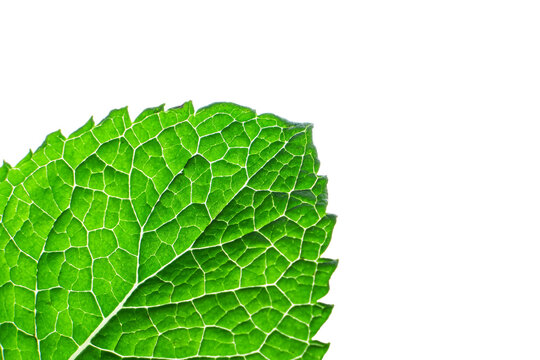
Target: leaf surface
177, 235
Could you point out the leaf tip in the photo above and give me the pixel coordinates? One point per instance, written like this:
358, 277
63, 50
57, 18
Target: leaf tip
57, 135
149, 112
5, 167
332, 217
189, 105
90, 124
25, 159
186, 107
4, 170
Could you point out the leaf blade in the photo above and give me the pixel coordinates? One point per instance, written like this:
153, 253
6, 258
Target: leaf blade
180, 234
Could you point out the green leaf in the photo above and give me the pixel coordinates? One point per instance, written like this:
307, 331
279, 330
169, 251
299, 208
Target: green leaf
177, 235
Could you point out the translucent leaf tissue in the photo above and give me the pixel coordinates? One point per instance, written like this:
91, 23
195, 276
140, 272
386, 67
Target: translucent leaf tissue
177, 235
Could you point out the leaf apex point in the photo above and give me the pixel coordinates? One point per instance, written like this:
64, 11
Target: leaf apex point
187, 104
190, 106
56, 134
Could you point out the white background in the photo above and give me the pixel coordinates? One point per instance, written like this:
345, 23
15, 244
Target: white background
426, 119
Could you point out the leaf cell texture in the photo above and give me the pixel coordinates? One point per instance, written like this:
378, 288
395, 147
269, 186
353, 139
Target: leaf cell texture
180, 234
